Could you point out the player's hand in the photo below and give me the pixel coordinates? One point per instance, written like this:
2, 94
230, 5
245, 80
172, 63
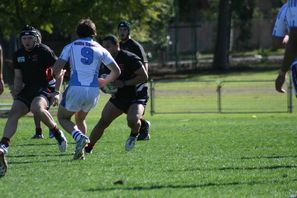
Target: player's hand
101, 82
279, 81
56, 100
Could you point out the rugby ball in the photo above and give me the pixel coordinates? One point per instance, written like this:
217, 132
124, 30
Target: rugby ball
106, 88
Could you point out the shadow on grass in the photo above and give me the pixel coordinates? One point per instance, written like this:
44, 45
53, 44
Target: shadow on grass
170, 186
38, 161
270, 157
39, 155
238, 168
42, 144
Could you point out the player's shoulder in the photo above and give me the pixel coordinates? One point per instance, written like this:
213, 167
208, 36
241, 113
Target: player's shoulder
134, 42
128, 55
43, 47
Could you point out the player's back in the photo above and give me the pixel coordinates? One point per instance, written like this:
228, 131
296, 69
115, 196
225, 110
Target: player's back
85, 57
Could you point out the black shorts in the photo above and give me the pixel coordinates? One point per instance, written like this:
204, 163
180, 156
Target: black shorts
28, 94
124, 104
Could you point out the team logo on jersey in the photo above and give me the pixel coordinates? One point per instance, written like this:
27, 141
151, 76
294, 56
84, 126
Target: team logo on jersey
21, 59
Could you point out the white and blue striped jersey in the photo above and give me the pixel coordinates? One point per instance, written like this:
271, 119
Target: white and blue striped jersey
85, 57
292, 13
281, 27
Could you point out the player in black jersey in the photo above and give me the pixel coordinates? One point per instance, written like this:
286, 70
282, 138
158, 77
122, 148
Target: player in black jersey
125, 100
30, 90
51, 87
129, 44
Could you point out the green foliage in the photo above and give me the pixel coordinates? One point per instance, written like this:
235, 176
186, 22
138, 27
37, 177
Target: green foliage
242, 18
62, 16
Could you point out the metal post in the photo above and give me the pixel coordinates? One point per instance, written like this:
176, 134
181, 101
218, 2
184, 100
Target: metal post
219, 99
152, 95
290, 96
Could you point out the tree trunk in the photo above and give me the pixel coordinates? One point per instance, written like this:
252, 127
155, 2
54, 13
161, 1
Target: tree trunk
221, 56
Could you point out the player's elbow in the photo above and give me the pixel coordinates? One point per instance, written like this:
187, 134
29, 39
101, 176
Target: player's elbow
117, 72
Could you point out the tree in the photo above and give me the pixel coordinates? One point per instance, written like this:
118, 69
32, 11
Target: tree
221, 55
63, 15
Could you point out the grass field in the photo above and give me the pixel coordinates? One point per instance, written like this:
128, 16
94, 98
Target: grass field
189, 155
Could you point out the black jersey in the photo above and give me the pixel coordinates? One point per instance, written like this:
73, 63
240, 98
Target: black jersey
33, 65
128, 63
133, 46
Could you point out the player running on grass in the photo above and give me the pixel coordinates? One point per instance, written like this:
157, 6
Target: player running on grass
30, 90
125, 100
85, 57
129, 44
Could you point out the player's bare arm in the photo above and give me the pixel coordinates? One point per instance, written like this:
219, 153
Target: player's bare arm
59, 73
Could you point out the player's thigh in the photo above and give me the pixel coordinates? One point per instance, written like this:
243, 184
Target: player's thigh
110, 112
63, 113
18, 109
135, 112
39, 102
80, 116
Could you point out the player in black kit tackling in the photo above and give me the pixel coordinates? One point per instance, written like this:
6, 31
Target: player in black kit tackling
125, 100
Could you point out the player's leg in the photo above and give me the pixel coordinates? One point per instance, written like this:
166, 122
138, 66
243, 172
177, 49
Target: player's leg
144, 132
39, 107
80, 121
18, 110
82, 100
134, 114
38, 130
109, 113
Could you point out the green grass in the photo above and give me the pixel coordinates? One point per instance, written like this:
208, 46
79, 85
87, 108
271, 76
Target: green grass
189, 155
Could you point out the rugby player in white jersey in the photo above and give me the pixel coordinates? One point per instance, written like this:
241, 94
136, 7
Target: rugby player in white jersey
291, 46
85, 57
280, 33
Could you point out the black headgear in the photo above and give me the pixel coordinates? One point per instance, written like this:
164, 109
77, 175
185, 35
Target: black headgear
28, 30
124, 24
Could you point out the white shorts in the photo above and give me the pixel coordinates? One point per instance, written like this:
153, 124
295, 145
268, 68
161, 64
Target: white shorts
281, 28
76, 98
292, 13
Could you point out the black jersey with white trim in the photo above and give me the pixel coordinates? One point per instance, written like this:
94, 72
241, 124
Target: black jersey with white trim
33, 64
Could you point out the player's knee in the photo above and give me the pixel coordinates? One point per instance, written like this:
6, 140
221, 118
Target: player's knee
133, 122
35, 109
